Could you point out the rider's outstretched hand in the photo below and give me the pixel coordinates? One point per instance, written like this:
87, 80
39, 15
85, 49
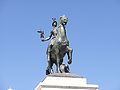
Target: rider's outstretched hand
41, 34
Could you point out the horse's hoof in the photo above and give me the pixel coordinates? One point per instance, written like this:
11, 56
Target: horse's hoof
47, 72
64, 68
70, 61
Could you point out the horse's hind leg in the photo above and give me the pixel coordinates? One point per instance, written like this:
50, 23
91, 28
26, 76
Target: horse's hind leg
49, 68
57, 60
50, 63
58, 64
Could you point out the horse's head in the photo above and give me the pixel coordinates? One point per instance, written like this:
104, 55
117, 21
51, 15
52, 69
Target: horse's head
63, 20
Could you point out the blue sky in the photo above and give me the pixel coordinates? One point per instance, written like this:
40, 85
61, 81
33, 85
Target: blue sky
93, 31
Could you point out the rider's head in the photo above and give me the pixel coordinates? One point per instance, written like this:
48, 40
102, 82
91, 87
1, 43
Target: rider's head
54, 23
63, 20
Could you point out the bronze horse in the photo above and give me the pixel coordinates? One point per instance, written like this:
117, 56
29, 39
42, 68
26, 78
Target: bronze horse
59, 48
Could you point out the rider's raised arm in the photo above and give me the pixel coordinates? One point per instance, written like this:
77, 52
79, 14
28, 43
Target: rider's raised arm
48, 38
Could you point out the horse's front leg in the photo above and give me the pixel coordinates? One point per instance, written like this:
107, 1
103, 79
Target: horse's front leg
69, 53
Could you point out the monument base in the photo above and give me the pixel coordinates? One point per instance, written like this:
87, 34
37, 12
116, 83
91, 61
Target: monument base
65, 81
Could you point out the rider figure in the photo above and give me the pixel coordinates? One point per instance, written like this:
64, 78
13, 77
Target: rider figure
54, 34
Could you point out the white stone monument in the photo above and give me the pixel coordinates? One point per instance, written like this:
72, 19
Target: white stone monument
65, 81
10, 89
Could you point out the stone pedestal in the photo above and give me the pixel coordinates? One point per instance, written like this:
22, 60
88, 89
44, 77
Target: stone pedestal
65, 81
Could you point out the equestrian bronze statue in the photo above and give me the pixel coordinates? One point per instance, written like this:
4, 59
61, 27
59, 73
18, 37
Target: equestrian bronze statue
58, 46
